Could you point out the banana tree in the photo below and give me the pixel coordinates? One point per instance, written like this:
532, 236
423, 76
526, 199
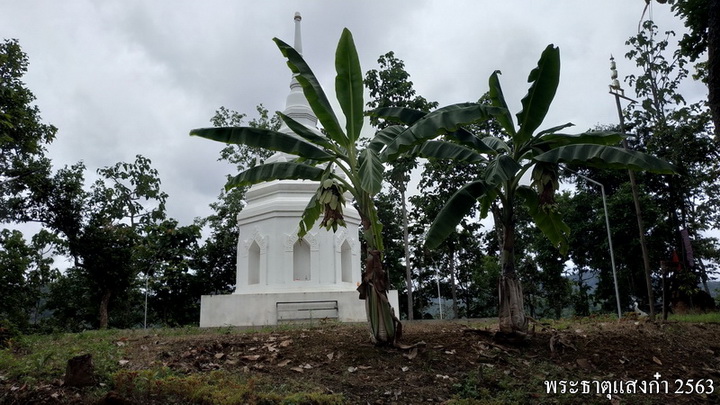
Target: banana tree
335, 159
498, 187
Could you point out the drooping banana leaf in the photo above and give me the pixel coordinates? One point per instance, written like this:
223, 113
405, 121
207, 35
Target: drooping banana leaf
455, 209
404, 115
554, 129
275, 171
384, 137
441, 121
446, 150
264, 138
605, 157
310, 216
313, 136
467, 138
608, 138
496, 144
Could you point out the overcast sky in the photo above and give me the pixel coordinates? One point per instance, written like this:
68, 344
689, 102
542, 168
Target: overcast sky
126, 77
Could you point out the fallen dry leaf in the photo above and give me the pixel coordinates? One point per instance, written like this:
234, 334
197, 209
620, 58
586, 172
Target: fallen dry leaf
411, 354
286, 343
283, 363
297, 369
656, 360
252, 357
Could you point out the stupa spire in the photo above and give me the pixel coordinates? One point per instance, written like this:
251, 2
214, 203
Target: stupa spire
296, 105
298, 34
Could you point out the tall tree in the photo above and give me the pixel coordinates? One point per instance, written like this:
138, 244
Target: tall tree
125, 202
391, 87
100, 229
702, 18
23, 136
679, 133
526, 151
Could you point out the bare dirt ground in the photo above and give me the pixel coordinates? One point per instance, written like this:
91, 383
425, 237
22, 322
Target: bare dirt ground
460, 361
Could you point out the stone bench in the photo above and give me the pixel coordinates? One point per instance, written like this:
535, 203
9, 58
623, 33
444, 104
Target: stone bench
306, 310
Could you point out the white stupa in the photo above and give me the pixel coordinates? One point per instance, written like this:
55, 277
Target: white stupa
281, 278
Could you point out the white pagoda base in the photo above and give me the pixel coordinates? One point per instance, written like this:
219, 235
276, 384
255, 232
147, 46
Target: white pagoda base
281, 278
286, 307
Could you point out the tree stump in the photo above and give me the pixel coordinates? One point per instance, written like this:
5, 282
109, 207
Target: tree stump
80, 371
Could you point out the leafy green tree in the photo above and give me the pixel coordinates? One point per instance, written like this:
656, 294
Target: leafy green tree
100, 230
702, 18
125, 202
23, 136
498, 186
391, 87
166, 256
26, 272
681, 134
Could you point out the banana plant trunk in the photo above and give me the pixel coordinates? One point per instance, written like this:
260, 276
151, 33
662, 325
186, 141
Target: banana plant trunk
385, 328
511, 311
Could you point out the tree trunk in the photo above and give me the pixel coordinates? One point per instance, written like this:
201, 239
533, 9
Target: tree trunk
408, 271
104, 304
511, 309
713, 42
453, 287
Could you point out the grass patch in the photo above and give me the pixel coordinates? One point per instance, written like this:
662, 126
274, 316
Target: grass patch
709, 317
44, 357
214, 388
